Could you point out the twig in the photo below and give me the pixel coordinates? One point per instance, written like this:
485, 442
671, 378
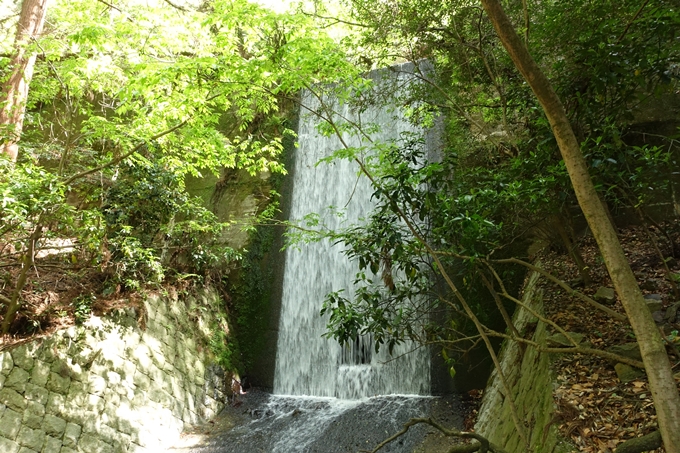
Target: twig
176, 6
570, 291
499, 305
110, 5
533, 312
482, 446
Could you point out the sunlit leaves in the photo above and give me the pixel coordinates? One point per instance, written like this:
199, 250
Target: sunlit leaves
130, 71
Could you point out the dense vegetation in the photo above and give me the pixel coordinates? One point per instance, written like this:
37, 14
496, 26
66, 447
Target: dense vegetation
610, 65
513, 150
126, 101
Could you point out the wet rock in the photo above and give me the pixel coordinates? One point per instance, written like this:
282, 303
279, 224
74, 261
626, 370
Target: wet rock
605, 295
627, 373
322, 425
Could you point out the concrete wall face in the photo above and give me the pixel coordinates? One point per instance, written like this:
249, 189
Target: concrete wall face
108, 386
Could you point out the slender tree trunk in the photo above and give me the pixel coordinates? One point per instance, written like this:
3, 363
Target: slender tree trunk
15, 89
657, 364
29, 260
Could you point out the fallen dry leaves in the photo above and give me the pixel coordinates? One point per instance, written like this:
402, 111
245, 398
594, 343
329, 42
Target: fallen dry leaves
597, 411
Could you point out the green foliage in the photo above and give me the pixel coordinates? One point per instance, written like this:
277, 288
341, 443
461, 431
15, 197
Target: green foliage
224, 348
501, 174
32, 196
128, 99
153, 224
82, 307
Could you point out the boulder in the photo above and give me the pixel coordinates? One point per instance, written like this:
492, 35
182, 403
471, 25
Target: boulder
658, 317
605, 295
654, 302
672, 314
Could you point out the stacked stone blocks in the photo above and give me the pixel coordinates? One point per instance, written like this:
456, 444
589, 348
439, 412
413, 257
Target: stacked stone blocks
109, 386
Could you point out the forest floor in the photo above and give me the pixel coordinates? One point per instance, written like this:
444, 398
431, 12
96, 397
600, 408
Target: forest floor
595, 409
58, 294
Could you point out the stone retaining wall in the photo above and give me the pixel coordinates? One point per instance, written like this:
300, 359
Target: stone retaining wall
109, 386
531, 380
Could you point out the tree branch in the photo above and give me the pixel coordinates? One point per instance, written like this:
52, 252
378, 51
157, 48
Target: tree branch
176, 6
637, 14
124, 156
569, 350
110, 5
570, 291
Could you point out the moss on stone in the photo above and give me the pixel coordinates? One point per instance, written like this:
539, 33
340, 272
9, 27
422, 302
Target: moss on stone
531, 379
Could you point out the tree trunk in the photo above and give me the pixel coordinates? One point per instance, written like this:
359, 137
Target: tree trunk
657, 364
15, 89
28, 262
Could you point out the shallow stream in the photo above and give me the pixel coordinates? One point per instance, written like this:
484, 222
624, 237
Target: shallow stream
264, 423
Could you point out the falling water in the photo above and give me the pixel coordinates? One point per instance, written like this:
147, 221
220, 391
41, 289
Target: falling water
307, 362
325, 394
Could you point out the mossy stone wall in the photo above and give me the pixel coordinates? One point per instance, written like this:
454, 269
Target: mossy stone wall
111, 386
531, 379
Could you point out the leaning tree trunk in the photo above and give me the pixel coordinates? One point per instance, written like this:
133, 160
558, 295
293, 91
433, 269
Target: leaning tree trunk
15, 89
657, 364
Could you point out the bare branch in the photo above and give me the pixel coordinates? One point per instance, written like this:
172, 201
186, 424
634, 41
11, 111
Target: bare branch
176, 6
482, 445
110, 5
637, 14
570, 291
570, 350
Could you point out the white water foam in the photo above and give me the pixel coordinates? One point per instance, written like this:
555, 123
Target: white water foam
305, 424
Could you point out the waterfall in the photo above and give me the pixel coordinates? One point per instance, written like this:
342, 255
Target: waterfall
307, 363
